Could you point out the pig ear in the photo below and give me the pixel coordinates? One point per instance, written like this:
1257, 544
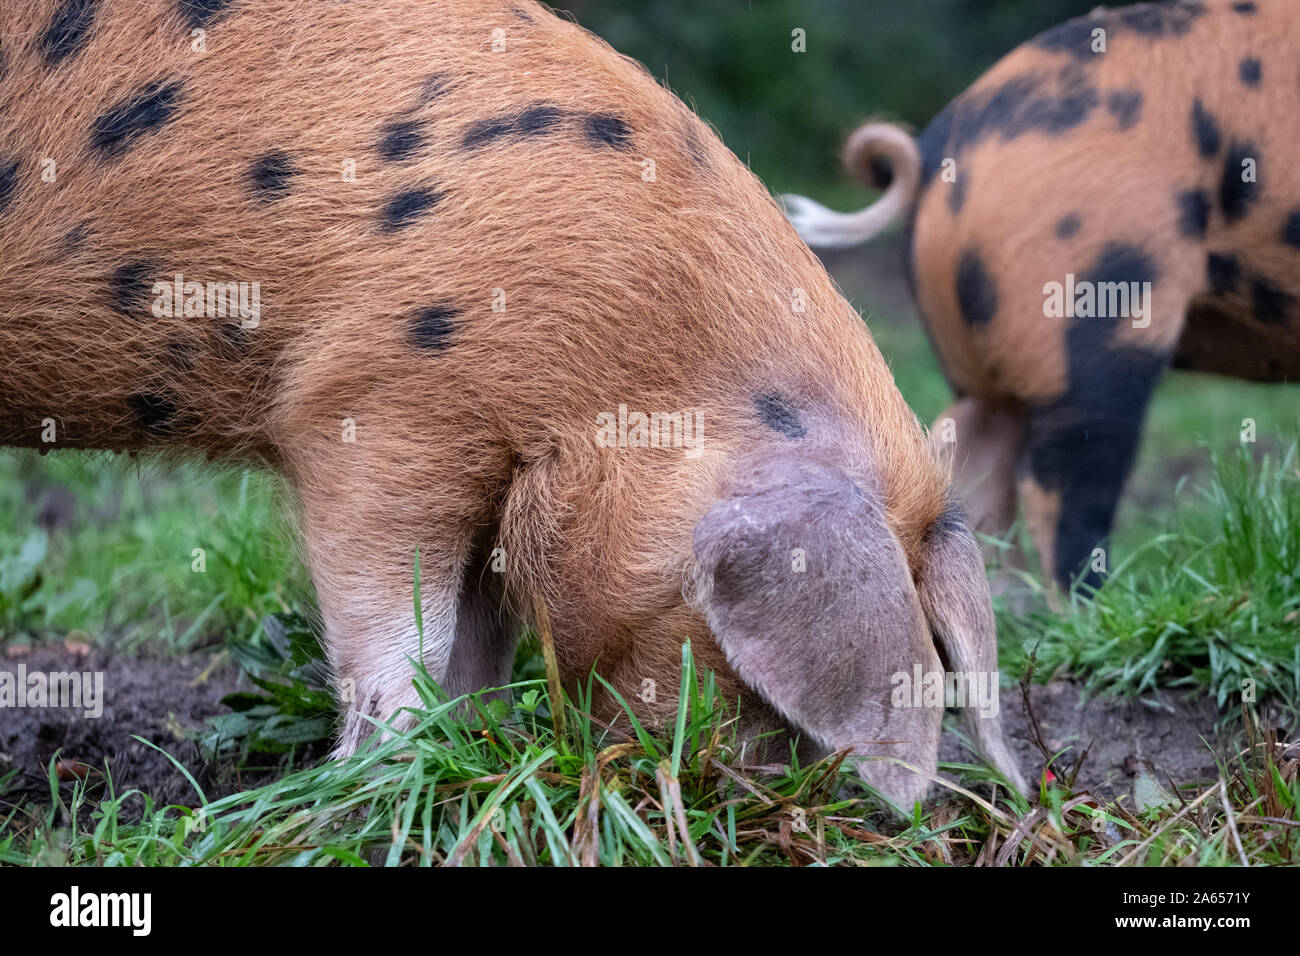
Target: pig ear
955, 597
808, 594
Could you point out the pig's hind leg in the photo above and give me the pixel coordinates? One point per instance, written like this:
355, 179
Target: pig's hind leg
487, 629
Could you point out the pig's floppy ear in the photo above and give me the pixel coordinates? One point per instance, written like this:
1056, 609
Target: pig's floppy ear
808, 594
955, 597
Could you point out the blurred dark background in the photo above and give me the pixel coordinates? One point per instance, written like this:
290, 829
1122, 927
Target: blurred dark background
787, 113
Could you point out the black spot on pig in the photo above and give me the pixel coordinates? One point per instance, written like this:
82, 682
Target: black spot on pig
952, 521
68, 31
270, 175
542, 118
1120, 262
777, 413
1073, 36
1291, 229
1245, 8
1147, 19
154, 412
75, 238
432, 327
406, 207
1193, 213
434, 86
200, 13
1023, 104
933, 143
1055, 115
1270, 303
957, 195
1236, 193
402, 140
233, 338
130, 285
1223, 270
538, 119
1205, 131
486, 131
1160, 19
694, 144
8, 183
146, 110
182, 355
1125, 106
1250, 71
1068, 226
605, 129
977, 296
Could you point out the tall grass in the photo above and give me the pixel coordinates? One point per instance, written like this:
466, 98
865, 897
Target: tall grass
499, 788
1211, 604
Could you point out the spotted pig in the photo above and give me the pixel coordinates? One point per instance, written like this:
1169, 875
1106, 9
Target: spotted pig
1117, 196
462, 253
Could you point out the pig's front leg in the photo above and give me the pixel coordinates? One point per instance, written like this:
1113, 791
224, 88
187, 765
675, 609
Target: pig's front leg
367, 508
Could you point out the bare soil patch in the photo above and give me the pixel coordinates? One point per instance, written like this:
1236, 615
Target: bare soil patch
1158, 738
165, 701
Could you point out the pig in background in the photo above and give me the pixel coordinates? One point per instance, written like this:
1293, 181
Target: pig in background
1139, 156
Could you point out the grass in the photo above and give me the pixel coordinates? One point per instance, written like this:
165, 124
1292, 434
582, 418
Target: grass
121, 564
1211, 605
500, 787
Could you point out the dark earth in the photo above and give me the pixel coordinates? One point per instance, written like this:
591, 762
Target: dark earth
1135, 746
165, 701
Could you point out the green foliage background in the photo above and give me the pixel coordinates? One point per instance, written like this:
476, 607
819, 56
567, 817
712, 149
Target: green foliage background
788, 112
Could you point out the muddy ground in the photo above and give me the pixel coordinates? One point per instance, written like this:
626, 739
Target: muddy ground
1133, 744
167, 701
